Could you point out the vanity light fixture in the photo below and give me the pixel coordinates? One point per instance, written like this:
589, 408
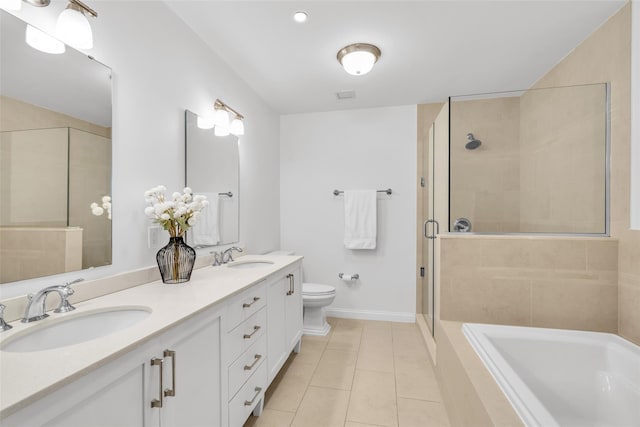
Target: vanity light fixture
358, 59
221, 120
42, 41
73, 27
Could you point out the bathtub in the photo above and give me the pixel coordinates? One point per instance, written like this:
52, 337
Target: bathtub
563, 378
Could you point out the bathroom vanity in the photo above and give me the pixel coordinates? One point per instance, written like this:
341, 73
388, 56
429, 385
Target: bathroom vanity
201, 353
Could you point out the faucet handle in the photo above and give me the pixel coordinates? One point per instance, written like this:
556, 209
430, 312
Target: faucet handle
65, 306
4, 326
217, 258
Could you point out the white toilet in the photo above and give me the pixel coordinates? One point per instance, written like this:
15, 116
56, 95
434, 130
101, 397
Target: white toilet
315, 297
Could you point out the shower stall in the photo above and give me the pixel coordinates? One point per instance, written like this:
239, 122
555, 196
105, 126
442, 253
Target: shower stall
530, 162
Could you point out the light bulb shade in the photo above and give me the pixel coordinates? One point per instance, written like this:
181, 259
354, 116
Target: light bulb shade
73, 28
205, 122
237, 127
358, 59
42, 41
11, 4
221, 118
221, 129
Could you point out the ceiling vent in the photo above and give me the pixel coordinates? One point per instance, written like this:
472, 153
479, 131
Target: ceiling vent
346, 94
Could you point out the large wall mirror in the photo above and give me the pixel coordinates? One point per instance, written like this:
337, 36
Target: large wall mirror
55, 158
213, 169
532, 161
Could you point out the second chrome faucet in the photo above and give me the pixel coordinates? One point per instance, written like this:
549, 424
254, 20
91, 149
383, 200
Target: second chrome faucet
225, 256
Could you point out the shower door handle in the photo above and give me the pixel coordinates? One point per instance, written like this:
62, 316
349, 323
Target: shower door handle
424, 229
436, 229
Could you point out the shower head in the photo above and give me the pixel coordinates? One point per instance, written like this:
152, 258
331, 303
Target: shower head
472, 143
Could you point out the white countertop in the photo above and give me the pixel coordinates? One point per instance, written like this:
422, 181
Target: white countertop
27, 377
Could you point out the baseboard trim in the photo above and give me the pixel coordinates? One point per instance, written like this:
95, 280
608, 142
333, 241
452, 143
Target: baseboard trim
388, 316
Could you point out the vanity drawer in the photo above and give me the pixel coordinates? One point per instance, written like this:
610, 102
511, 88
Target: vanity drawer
246, 304
241, 406
248, 363
245, 334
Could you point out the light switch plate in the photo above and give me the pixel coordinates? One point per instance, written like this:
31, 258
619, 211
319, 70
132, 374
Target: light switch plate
154, 233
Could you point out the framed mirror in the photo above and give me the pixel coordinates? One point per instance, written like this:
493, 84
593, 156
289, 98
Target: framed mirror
55, 158
213, 169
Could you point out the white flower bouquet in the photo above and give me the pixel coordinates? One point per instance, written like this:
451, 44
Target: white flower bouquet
176, 215
98, 210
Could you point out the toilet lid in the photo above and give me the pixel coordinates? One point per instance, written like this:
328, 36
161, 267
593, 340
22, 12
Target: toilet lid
317, 289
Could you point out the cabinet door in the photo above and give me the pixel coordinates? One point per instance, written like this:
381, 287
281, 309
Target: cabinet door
192, 374
276, 332
113, 395
293, 309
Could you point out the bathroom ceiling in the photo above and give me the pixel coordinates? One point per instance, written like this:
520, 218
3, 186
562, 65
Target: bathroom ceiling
430, 49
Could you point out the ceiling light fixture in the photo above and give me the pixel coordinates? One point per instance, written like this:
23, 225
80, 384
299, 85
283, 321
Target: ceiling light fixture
221, 120
358, 59
42, 41
11, 4
73, 27
300, 16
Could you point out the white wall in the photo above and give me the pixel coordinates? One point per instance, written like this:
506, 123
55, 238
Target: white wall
355, 149
160, 68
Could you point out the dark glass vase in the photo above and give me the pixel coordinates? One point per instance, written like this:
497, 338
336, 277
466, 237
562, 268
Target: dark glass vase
175, 261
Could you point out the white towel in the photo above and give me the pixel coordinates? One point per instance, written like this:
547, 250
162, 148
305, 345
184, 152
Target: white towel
206, 231
360, 219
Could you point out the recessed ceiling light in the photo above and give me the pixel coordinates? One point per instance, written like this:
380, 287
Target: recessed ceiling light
300, 16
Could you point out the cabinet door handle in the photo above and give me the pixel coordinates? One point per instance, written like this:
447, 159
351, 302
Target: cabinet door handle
257, 357
157, 403
250, 402
291, 284
248, 336
171, 392
249, 304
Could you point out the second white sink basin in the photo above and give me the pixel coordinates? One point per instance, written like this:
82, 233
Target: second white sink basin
74, 329
249, 264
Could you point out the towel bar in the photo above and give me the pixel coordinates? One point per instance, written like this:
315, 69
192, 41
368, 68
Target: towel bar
388, 191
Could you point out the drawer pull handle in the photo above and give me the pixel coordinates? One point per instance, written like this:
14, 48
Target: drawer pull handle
257, 357
291, 284
170, 392
250, 402
247, 305
157, 403
248, 336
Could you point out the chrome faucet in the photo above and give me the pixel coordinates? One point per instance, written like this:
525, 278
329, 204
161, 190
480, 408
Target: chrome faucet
36, 306
4, 326
227, 256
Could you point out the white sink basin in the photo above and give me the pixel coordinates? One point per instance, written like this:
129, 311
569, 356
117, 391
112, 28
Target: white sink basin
249, 264
74, 329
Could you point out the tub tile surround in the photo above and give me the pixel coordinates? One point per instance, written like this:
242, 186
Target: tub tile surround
395, 388
469, 392
566, 283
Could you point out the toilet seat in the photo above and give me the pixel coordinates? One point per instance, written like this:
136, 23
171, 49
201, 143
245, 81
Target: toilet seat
317, 289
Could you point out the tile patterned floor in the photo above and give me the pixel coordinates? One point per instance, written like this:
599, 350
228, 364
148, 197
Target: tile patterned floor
364, 373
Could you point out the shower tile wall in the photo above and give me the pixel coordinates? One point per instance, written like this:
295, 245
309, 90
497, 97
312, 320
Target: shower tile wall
605, 57
485, 182
562, 152
535, 281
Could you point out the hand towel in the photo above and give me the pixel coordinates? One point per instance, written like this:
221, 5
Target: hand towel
360, 219
206, 231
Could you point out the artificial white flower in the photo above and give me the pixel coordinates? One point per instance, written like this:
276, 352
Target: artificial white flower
106, 199
97, 211
176, 215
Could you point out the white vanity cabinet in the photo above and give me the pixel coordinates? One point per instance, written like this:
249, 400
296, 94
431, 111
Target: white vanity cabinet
121, 393
284, 318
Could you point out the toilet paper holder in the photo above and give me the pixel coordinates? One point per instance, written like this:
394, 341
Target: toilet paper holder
343, 276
